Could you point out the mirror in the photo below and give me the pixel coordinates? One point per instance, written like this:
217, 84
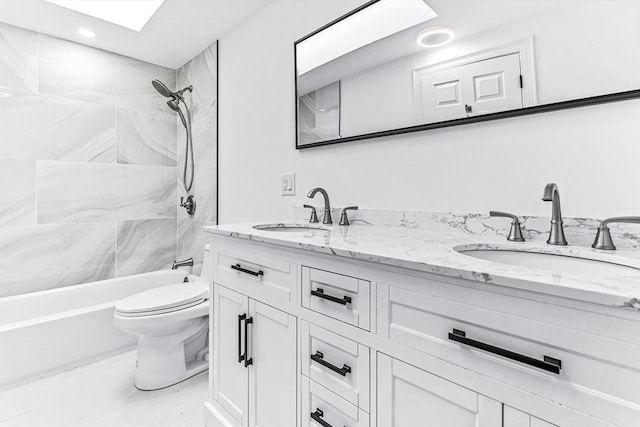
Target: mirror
397, 66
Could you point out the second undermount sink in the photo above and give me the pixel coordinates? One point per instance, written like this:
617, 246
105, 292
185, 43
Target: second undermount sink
288, 228
553, 262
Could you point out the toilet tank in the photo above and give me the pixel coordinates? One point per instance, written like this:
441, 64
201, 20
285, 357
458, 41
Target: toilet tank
207, 265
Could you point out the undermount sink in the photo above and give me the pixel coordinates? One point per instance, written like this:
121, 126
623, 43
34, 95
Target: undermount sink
553, 262
288, 228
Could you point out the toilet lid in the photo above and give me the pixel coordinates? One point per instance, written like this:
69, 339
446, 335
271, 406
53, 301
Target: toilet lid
164, 298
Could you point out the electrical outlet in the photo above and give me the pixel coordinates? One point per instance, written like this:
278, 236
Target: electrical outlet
288, 184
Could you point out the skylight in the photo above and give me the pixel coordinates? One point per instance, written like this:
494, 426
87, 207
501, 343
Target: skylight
132, 14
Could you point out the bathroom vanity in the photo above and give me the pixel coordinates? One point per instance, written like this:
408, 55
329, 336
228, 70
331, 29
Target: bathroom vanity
388, 326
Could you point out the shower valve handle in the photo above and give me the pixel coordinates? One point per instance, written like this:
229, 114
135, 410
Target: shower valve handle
189, 204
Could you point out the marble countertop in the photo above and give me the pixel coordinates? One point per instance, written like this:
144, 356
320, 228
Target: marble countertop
435, 252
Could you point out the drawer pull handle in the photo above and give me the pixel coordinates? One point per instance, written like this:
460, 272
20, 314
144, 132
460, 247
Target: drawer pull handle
319, 358
317, 417
548, 364
239, 268
320, 294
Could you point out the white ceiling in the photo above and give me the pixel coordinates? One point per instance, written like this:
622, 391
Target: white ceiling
177, 32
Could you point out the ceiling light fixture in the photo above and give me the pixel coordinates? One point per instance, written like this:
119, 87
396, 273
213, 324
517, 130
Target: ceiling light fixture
85, 32
435, 36
132, 14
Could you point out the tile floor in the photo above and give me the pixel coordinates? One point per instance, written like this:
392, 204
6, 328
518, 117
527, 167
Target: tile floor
103, 395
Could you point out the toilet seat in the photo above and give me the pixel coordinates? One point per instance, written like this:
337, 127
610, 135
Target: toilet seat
166, 299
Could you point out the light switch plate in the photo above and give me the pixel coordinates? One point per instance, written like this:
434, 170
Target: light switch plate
288, 184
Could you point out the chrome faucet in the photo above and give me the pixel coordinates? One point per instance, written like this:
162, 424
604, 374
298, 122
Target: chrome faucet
556, 234
314, 216
184, 263
515, 233
603, 236
327, 206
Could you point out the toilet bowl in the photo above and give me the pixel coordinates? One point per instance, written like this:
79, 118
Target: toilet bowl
172, 325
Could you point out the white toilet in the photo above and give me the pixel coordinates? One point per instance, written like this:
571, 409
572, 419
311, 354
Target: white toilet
172, 326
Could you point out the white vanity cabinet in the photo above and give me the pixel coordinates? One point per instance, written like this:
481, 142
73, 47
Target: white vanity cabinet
340, 342
254, 359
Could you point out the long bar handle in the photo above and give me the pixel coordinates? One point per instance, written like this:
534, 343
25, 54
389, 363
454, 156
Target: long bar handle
317, 417
247, 360
319, 358
241, 318
548, 364
241, 269
319, 292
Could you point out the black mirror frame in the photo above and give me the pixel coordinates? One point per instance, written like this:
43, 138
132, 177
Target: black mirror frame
537, 109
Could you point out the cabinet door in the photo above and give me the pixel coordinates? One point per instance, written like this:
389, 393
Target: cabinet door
230, 377
516, 418
408, 397
272, 375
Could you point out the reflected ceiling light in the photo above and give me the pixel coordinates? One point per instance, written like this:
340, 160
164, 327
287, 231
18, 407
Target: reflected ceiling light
132, 14
435, 36
4, 95
374, 22
85, 32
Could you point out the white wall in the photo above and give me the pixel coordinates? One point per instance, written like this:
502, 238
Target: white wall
592, 153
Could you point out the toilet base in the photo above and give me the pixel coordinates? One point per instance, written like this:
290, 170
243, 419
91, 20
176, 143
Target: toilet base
161, 362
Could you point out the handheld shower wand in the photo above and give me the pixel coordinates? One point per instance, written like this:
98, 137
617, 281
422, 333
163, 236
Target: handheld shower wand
174, 104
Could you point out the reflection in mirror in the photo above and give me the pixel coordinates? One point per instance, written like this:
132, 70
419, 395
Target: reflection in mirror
396, 64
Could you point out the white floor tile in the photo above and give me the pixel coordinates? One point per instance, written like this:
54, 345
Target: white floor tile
103, 395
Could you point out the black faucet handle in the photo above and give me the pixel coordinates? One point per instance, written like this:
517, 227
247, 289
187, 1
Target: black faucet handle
515, 233
314, 214
344, 219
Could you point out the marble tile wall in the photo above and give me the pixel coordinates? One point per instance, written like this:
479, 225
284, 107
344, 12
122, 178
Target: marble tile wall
89, 169
201, 72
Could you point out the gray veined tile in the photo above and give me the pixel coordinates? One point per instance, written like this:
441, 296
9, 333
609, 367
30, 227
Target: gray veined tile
146, 138
201, 72
44, 127
145, 245
17, 192
191, 239
18, 59
81, 72
90, 192
40, 257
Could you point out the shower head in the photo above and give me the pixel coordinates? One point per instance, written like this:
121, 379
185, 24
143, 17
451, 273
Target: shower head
173, 104
163, 89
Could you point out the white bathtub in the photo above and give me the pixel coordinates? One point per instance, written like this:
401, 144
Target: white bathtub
43, 333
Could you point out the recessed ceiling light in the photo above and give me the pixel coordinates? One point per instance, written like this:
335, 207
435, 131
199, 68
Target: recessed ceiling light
435, 36
132, 14
85, 32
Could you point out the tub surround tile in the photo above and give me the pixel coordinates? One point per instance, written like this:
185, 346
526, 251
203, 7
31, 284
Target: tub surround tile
50, 256
17, 192
19, 63
146, 138
44, 127
145, 245
82, 192
81, 72
191, 239
201, 73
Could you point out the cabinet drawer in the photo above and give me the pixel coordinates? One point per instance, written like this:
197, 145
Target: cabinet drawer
425, 322
330, 409
335, 295
249, 270
337, 363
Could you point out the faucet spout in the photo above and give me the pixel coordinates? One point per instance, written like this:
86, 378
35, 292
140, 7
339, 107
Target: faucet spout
556, 234
327, 205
